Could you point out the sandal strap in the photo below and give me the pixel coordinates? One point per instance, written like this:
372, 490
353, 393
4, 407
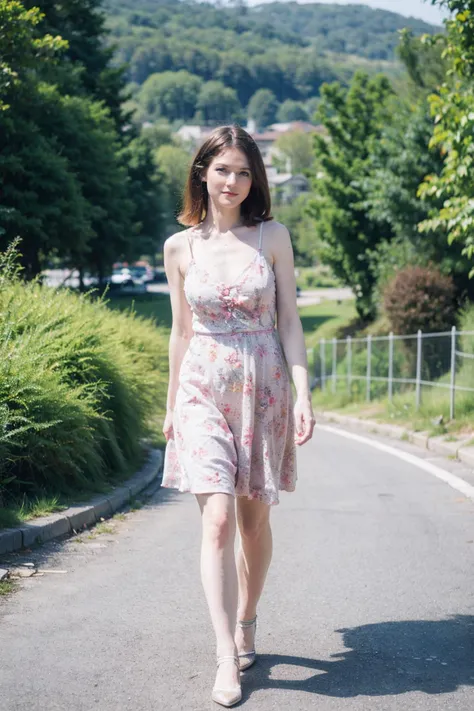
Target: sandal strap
228, 658
247, 623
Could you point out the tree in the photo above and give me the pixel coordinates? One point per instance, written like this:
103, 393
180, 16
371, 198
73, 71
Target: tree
172, 95
148, 193
291, 110
453, 111
301, 227
218, 104
262, 108
173, 161
354, 118
41, 196
81, 24
296, 149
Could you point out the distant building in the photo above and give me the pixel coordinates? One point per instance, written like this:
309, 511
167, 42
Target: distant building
285, 187
195, 135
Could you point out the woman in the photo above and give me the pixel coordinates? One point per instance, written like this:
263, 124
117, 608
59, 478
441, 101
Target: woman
231, 424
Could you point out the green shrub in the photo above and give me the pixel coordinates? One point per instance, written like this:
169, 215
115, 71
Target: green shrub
79, 386
420, 298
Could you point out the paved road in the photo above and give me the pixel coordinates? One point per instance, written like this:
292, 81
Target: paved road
368, 604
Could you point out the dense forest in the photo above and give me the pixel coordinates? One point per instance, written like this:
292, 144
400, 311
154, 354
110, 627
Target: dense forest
205, 62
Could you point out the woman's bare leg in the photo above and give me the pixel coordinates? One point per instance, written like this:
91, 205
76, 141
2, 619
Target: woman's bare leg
253, 561
219, 577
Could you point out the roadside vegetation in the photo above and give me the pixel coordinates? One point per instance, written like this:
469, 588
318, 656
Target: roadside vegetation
82, 393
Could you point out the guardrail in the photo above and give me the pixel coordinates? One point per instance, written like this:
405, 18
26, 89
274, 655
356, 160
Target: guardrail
387, 364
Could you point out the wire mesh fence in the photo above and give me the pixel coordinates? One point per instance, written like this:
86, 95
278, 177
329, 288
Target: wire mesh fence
384, 366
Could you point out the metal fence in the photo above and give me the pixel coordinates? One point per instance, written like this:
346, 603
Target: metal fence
379, 366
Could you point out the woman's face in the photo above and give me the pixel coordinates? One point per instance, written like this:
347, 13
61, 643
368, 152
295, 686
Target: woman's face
229, 178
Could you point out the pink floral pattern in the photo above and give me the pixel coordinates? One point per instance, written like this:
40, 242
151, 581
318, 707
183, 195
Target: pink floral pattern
233, 420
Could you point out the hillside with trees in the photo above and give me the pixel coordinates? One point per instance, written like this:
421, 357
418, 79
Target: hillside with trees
203, 62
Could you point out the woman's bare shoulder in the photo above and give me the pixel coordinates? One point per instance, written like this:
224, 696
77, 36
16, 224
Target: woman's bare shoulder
278, 235
176, 245
177, 240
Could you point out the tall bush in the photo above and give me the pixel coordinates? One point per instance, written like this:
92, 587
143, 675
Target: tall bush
420, 298
79, 386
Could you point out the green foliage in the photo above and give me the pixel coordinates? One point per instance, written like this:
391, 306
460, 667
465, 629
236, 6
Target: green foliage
423, 59
420, 298
21, 48
294, 215
72, 186
88, 69
148, 193
453, 111
354, 119
287, 48
291, 110
263, 108
218, 104
173, 95
296, 149
79, 385
173, 161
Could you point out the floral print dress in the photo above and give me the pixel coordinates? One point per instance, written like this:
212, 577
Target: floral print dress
233, 419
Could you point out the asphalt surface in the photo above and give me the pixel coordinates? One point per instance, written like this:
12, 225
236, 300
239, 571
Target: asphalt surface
368, 604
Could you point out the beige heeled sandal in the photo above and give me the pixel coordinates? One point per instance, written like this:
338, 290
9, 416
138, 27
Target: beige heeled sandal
227, 697
246, 659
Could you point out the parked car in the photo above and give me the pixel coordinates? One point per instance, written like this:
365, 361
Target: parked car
159, 276
124, 281
143, 272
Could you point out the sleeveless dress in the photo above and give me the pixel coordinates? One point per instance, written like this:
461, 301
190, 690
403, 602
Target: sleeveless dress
233, 418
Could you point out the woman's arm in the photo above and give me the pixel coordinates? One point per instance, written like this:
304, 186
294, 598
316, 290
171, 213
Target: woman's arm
290, 330
181, 329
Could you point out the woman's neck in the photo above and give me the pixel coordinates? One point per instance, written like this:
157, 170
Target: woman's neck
221, 221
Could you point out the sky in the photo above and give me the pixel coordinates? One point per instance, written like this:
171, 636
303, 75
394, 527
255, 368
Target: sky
414, 8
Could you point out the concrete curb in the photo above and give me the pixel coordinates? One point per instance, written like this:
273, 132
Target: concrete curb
78, 517
457, 450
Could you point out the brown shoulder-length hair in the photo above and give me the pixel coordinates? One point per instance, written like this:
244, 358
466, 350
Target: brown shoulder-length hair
256, 206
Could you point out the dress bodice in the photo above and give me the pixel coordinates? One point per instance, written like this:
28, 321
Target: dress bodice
249, 304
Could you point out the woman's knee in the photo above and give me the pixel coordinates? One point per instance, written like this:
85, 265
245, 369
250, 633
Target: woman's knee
218, 522
253, 521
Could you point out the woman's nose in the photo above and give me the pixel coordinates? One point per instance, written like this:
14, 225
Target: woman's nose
232, 178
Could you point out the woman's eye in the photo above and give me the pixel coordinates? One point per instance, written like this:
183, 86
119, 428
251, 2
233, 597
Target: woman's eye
245, 173
220, 170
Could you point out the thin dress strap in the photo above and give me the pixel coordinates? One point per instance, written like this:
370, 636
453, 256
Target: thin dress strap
260, 238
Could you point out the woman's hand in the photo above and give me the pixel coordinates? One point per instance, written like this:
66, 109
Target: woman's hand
304, 420
168, 425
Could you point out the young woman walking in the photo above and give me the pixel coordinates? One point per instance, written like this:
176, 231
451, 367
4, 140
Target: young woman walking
232, 423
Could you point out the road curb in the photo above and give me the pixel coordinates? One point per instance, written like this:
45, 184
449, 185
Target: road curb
76, 518
457, 450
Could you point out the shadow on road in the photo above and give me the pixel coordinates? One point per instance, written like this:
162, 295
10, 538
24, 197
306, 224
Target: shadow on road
382, 659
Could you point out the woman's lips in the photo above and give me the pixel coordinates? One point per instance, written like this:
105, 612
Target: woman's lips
227, 192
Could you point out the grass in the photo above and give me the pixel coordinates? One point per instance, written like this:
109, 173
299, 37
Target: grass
326, 320
320, 277
24, 510
7, 587
153, 306
402, 411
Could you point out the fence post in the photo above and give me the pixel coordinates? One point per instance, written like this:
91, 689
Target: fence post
369, 364
418, 369
334, 363
322, 347
390, 366
349, 364
453, 373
